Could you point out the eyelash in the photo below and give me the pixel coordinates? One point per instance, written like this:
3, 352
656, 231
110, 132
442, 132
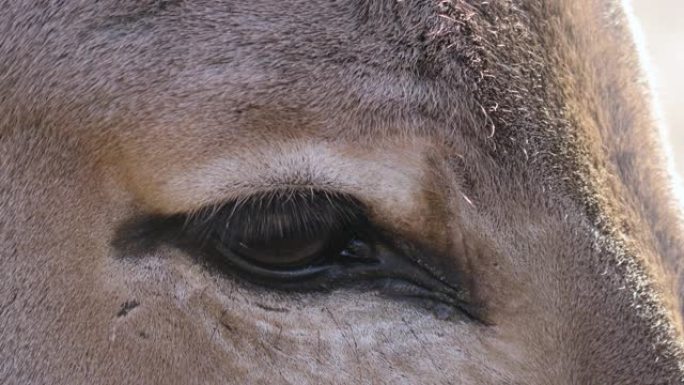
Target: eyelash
298, 212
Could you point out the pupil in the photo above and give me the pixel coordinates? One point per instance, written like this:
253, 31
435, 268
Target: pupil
281, 252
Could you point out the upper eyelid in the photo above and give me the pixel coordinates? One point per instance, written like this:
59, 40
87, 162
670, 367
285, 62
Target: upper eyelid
398, 176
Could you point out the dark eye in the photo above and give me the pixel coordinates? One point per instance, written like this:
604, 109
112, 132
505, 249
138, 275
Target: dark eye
282, 252
304, 240
287, 232
293, 238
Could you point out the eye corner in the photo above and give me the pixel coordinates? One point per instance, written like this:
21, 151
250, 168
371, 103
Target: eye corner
142, 234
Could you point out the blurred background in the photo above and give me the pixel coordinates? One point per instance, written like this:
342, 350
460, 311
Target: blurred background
662, 24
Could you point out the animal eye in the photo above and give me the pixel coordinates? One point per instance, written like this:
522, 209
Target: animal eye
305, 241
281, 252
287, 233
298, 238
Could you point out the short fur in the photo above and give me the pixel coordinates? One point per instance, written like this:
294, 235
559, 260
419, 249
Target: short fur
513, 137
